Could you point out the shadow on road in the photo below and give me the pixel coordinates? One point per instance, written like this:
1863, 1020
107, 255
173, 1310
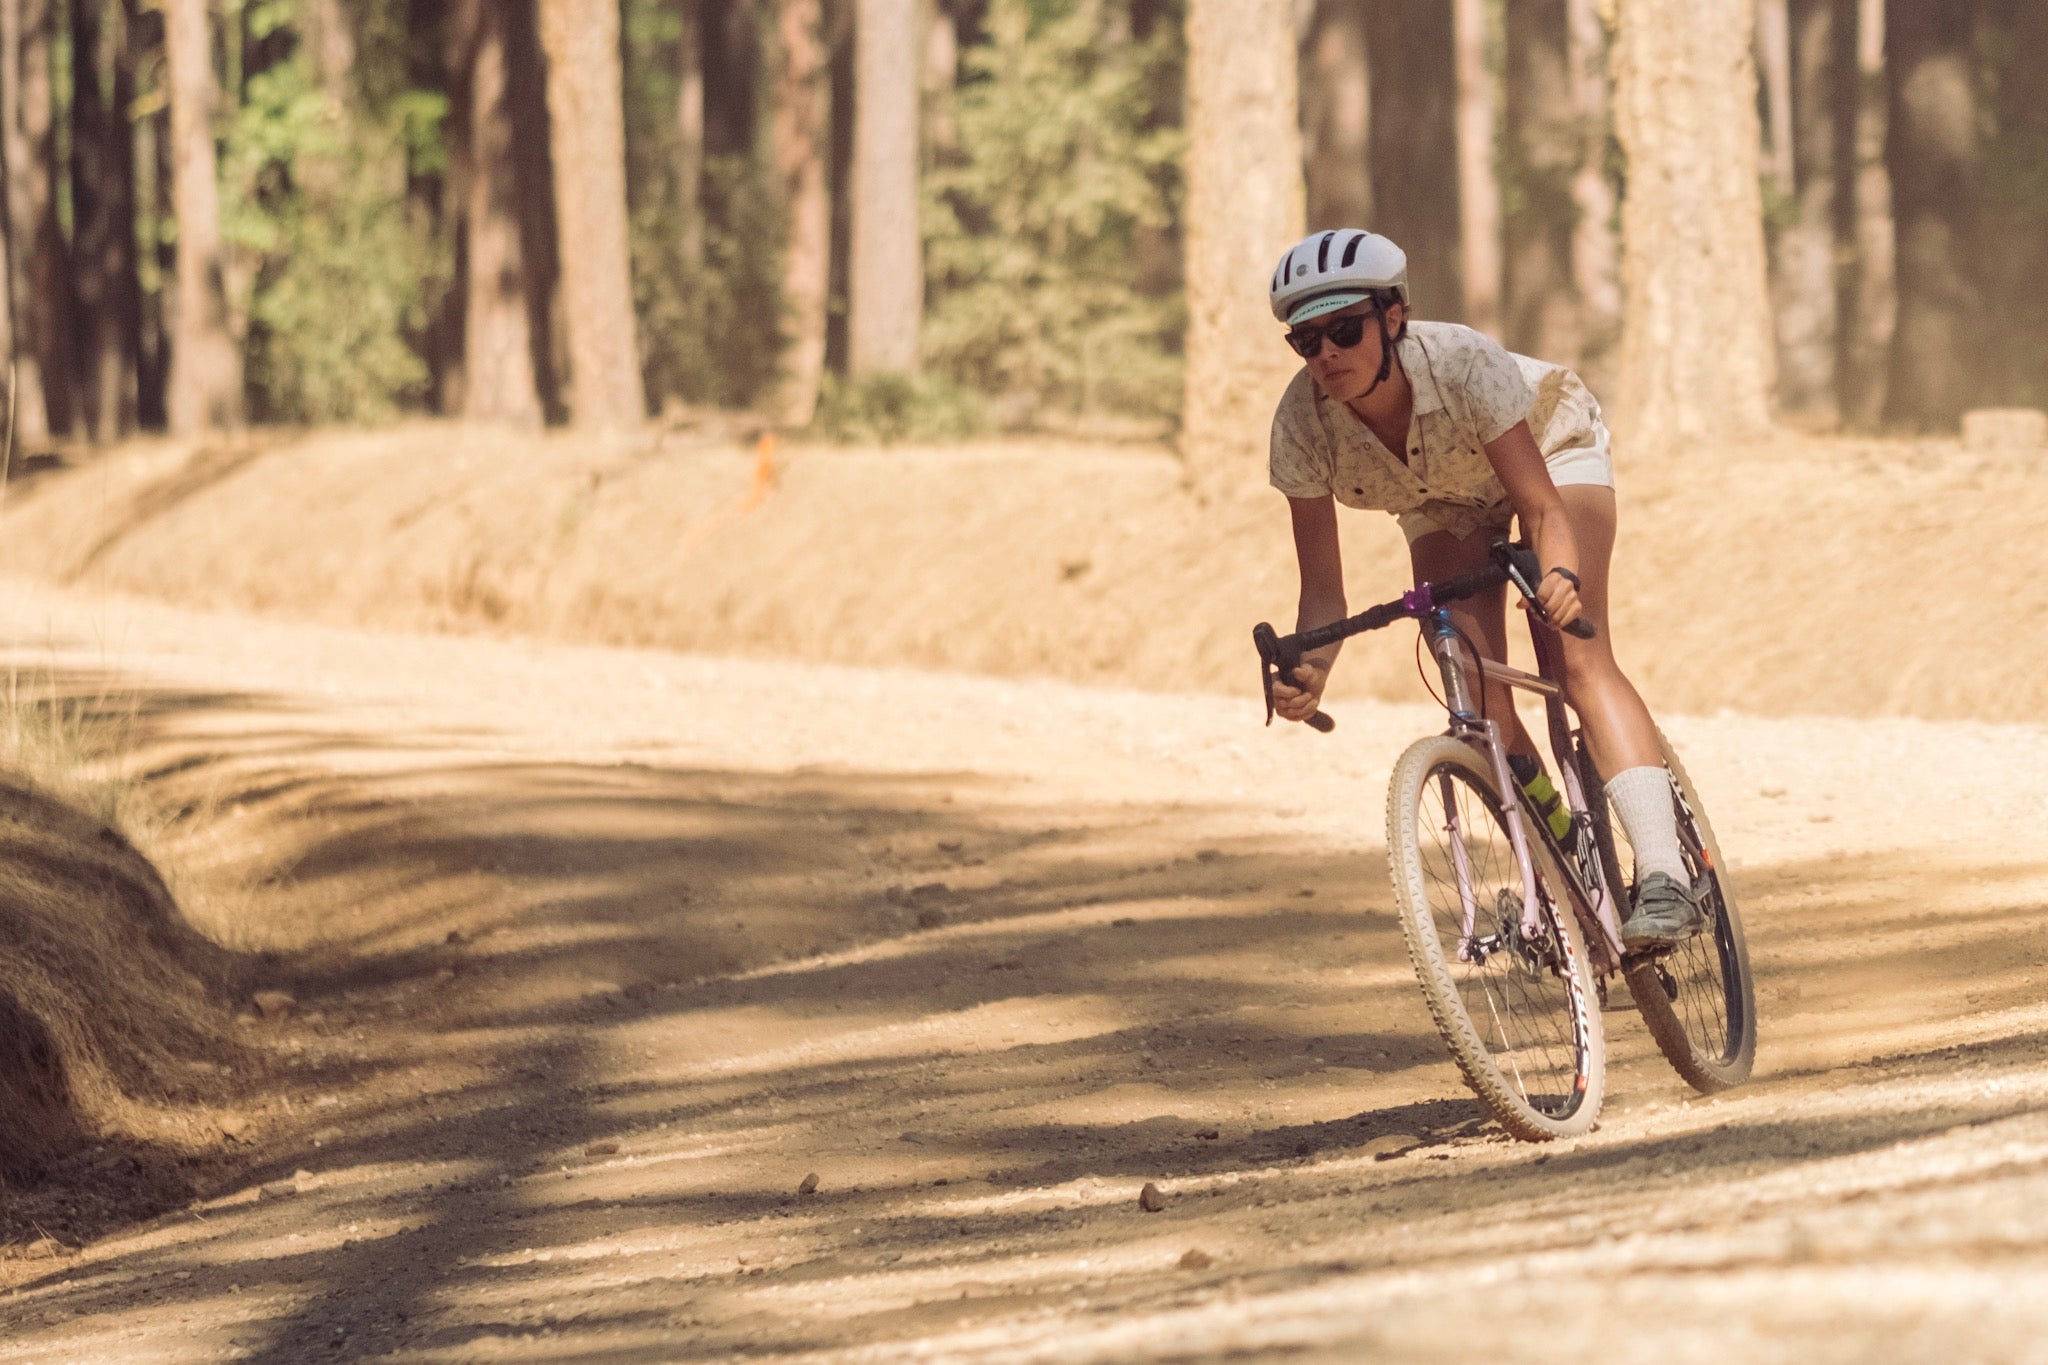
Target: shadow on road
968, 1009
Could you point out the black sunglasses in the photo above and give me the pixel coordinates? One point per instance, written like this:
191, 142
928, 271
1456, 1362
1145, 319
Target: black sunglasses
1344, 332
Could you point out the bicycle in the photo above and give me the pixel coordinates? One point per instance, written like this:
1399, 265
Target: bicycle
1515, 984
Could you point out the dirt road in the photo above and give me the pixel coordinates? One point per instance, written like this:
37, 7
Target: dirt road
600, 956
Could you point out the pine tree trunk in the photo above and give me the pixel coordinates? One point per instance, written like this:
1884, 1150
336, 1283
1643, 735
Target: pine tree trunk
50, 316
1773, 38
1540, 312
588, 139
885, 296
690, 133
802, 124
940, 74
325, 32
17, 19
2013, 251
1865, 243
1479, 208
1696, 325
205, 382
1336, 106
1596, 246
108, 289
1413, 50
1803, 250
501, 338
1244, 207
153, 194
1933, 153
10, 253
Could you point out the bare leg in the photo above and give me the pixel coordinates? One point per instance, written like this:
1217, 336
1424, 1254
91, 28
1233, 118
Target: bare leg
1618, 725
1619, 729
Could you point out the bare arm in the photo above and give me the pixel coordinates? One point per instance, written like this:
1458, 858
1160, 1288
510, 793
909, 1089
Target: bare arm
1519, 465
1321, 561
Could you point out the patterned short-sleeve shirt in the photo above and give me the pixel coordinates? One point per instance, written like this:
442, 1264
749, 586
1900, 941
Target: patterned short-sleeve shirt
1469, 390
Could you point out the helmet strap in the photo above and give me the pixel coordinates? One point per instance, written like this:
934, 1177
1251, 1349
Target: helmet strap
1379, 314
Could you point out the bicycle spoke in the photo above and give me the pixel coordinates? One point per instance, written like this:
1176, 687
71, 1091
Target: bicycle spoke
1525, 1011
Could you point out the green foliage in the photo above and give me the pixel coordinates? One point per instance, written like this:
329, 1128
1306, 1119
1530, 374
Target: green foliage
706, 258
330, 276
707, 320
896, 407
1065, 157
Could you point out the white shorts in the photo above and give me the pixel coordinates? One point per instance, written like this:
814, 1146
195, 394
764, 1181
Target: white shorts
1581, 465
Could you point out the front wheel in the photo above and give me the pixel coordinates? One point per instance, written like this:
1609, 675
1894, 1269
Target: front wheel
1516, 1003
1699, 998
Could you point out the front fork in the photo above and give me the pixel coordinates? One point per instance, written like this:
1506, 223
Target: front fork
1484, 734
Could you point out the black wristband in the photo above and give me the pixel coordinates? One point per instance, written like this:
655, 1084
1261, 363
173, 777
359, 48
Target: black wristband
1566, 574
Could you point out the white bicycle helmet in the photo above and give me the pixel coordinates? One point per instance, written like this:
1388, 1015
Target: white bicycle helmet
1326, 271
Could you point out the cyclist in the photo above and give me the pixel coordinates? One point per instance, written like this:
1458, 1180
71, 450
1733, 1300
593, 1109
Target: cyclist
1453, 434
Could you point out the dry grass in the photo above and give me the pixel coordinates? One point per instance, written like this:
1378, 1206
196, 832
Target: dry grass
71, 743
108, 1010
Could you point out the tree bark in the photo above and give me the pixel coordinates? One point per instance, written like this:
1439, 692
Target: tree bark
154, 213
1596, 247
802, 128
1697, 356
690, 133
1479, 209
1933, 151
588, 139
1414, 137
2013, 255
108, 289
1773, 38
1540, 310
1803, 248
10, 324
205, 383
1244, 207
940, 75
50, 316
18, 18
330, 41
1864, 245
502, 327
886, 285
1336, 107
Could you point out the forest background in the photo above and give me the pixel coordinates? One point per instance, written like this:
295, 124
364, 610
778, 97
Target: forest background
885, 218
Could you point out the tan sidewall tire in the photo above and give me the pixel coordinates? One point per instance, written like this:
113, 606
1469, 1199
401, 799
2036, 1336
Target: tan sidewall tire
1440, 988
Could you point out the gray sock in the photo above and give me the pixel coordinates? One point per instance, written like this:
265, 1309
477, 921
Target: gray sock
1641, 797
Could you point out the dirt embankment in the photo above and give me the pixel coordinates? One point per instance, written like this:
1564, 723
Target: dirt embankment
1797, 576
113, 1025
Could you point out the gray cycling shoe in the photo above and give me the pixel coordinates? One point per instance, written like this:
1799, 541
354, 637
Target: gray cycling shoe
1666, 912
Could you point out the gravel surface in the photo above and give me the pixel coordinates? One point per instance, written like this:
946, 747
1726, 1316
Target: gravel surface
653, 1007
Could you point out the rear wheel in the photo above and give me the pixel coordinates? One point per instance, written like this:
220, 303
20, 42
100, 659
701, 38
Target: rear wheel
1517, 1006
1698, 998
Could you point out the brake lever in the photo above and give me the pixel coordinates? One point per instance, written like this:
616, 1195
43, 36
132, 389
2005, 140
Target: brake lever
1277, 660
1268, 645
1514, 560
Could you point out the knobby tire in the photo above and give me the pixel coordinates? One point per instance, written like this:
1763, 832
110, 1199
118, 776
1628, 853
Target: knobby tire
1452, 988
